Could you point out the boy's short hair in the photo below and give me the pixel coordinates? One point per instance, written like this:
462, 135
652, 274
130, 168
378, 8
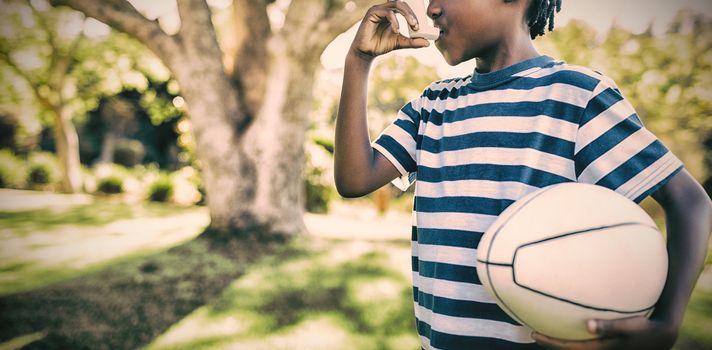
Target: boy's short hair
540, 13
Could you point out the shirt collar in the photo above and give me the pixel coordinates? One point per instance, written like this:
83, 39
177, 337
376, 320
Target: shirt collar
486, 80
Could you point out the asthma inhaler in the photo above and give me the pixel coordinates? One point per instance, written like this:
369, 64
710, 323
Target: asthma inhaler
425, 24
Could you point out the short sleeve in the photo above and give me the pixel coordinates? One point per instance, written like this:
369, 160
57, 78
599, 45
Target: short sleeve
613, 148
397, 143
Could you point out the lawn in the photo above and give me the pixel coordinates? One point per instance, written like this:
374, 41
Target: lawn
172, 290
334, 295
55, 243
124, 305
100, 212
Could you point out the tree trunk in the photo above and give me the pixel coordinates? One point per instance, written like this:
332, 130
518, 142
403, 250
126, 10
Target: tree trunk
253, 178
228, 176
249, 127
107, 148
275, 140
67, 143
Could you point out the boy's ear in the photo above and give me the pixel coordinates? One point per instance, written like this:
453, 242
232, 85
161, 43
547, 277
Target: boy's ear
527, 7
527, 3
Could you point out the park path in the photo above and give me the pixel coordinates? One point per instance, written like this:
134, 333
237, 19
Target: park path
16, 200
358, 222
79, 247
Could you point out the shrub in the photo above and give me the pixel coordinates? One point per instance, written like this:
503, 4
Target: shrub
43, 170
9, 126
110, 185
325, 143
317, 198
161, 190
203, 195
134, 182
12, 170
318, 193
319, 189
88, 180
39, 175
187, 187
129, 153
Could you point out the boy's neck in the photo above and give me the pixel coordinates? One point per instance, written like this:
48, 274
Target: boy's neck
506, 55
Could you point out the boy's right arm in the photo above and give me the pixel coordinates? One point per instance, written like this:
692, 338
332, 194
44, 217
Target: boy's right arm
358, 168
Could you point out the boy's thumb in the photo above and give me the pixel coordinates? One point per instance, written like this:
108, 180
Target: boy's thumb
412, 43
616, 327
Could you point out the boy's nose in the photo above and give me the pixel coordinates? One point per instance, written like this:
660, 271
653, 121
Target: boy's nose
434, 10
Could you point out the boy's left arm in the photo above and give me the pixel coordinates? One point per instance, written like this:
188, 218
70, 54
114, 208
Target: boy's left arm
688, 218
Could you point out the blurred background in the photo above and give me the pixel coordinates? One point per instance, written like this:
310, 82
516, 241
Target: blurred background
166, 167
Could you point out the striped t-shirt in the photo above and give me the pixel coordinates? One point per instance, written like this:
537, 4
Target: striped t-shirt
475, 145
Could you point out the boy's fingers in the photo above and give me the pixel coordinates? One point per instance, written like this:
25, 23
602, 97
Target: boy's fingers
556, 344
625, 326
393, 21
411, 43
405, 10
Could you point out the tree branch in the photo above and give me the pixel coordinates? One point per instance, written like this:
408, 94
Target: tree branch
122, 16
316, 23
43, 100
64, 67
252, 34
60, 62
342, 17
196, 27
51, 37
67, 68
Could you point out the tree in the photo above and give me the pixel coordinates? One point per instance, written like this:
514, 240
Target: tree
46, 86
249, 120
118, 115
395, 81
665, 77
48, 53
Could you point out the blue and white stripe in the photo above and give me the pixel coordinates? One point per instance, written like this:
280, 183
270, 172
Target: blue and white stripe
475, 145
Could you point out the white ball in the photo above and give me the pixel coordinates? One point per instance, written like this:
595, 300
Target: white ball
572, 252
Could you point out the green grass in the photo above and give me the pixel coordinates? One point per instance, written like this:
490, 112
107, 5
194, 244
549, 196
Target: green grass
696, 332
358, 301
19, 273
22, 277
21, 341
129, 303
100, 212
26, 276
203, 294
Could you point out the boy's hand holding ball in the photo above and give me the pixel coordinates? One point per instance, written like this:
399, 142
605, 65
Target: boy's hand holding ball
629, 333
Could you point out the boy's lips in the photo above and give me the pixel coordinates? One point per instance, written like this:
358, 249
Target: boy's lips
442, 33
441, 29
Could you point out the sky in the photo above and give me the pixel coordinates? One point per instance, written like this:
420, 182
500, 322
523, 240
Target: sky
634, 15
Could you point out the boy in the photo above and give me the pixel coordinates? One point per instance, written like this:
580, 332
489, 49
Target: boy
476, 144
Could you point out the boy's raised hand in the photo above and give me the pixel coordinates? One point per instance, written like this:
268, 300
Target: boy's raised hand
378, 33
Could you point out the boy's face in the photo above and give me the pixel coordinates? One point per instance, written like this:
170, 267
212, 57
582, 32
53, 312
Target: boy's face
475, 28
